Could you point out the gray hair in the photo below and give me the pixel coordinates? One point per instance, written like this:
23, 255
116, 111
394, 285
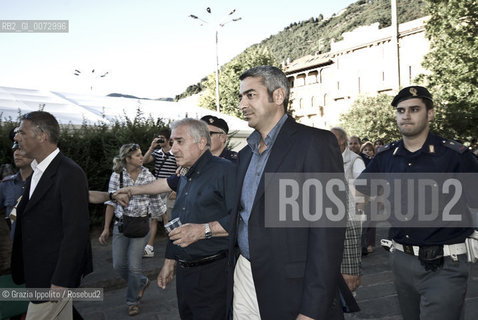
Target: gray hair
272, 78
342, 133
45, 122
197, 129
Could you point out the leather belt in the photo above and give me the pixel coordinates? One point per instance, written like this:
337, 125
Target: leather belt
448, 249
202, 261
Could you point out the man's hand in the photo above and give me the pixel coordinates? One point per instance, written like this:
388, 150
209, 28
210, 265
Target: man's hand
302, 317
352, 281
104, 236
166, 274
187, 234
122, 196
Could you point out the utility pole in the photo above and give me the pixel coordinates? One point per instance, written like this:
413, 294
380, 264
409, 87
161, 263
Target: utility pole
396, 44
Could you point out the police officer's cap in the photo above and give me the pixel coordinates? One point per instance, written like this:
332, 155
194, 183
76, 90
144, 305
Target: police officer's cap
410, 93
217, 122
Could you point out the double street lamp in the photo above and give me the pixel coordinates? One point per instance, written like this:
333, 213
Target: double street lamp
91, 75
221, 23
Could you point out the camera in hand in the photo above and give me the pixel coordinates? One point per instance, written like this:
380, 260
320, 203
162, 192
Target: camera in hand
160, 140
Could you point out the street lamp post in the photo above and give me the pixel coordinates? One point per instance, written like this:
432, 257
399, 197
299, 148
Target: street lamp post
92, 75
220, 24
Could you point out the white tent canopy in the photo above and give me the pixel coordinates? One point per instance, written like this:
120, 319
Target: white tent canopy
76, 109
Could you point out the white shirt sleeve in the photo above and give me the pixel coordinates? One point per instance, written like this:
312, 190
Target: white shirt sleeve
358, 167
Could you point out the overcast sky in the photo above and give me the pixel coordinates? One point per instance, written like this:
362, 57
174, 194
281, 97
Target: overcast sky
150, 48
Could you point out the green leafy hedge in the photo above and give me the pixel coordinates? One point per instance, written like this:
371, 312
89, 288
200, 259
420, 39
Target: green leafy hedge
93, 147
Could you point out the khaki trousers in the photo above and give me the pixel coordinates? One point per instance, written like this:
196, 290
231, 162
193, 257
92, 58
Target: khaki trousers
245, 306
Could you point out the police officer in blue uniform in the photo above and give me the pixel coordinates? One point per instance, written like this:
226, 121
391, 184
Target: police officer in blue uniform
429, 264
218, 129
11, 187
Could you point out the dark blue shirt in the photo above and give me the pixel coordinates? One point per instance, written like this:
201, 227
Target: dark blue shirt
205, 194
437, 155
11, 188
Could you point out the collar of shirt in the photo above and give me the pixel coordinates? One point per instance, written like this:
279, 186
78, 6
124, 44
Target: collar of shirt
430, 146
199, 164
46, 162
255, 138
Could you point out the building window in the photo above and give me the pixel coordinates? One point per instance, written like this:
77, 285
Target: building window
291, 81
300, 80
326, 99
410, 74
301, 104
312, 77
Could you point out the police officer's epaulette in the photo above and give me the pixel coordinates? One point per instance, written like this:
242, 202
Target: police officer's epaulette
7, 178
455, 146
385, 147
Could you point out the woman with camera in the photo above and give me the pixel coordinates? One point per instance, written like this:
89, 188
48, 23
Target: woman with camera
131, 223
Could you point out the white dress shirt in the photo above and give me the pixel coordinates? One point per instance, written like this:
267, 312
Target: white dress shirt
39, 168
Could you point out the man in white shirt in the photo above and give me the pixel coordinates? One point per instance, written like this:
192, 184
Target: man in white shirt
51, 248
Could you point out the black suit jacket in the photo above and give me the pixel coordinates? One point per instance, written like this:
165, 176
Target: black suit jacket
51, 244
295, 270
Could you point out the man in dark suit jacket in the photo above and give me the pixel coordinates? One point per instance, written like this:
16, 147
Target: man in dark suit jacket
281, 273
51, 247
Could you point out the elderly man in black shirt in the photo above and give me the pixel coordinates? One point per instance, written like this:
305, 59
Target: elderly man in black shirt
203, 204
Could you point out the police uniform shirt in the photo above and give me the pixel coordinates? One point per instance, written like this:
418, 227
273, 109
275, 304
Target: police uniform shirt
11, 188
205, 194
437, 155
229, 155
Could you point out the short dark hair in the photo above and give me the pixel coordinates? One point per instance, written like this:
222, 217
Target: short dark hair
166, 132
45, 122
428, 103
272, 78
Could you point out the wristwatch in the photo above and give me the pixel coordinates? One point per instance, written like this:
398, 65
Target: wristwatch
208, 233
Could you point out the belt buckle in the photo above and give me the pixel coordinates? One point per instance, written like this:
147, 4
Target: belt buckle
408, 249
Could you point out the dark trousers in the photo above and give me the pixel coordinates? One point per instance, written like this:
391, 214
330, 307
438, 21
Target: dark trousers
430, 295
201, 291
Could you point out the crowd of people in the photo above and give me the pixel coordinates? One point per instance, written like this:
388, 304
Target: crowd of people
227, 261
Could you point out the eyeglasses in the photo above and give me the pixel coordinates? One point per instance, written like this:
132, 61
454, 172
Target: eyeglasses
134, 147
215, 132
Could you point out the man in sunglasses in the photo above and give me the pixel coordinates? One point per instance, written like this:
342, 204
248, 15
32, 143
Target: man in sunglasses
218, 129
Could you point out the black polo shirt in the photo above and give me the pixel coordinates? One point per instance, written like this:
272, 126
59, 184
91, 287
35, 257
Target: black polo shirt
205, 194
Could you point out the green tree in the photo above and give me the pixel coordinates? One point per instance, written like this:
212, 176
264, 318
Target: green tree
371, 117
229, 80
452, 62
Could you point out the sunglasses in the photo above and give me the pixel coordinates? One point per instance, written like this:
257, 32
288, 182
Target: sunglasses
134, 147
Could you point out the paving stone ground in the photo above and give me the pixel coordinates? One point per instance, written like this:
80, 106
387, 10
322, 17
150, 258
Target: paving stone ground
376, 295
